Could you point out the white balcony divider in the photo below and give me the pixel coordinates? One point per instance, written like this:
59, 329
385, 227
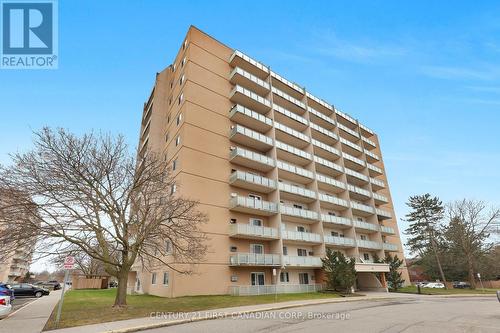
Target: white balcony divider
363, 207
330, 181
353, 159
387, 230
321, 115
271, 289
390, 247
251, 134
325, 147
290, 114
296, 190
369, 244
254, 204
250, 113
366, 225
374, 168
356, 174
294, 169
383, 212
255, 259
341, 241
251, 178
350, 144
251, 94
358, 190
336, 219
334, 200
252, 156
291, 131
249, 60
250, 77
292, 150
288, 97
372, 155
253, 230
309, 261
319, 101
301, 236
287, 82
328, 164
377, 182
345, 116
324, 131
303, 213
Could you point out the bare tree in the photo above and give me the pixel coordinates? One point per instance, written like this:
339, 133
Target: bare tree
469, 229
84, 263
89, 193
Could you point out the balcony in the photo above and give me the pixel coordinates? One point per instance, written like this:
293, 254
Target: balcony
323, 135
337, 221
355, 177
250, 159
387, 230
272, 289
301, 237
251, 119
377, 184
353, 162
248, 98
315, 100
250, 138
383, 214
371, 157
298, 215
320, 118
362, 267
346, 119
239, 59
362, 209
339, 241
365, 131
390, 247
348, 133
294, 173
332, 202
252, 182
325, 166
380, 199
374, 170
368, 144
296, 193
252, 206
358, 193
287, 86
366, 244
325, 151
254, 259
288, 102
241, 77
248, 231
289, 118
367, 227
329, 184
292, 154
298, 261
288, 134
350, 147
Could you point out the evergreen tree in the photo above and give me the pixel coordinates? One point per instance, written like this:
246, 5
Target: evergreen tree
394, 277
340, 271
424, 230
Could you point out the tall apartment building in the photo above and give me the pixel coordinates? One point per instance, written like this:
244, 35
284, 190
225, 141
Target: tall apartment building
282, 174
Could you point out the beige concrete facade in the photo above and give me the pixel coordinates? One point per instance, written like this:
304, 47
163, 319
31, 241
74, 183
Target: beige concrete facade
282, 174
15, 266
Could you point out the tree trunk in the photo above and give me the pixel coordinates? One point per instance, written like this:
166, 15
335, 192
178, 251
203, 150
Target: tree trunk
434, 247
121, 292
472, 278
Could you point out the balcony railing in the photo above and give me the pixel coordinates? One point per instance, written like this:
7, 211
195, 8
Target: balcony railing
356, 174
251, 178
252, 230
254, 259
336, 220
252, 134
380, 197
251, 77
254, 204
297, 212
296, 190
288, 98
368, 141
345, 116
390, 247
290, 114
287, 82
366, 225
330, 181
384, 213
292, 150
362, 207
366, 129
302, 261
353, 159
321, 115
348, 130
369, 244
319, 101
294, 169
387, 230
333, 200
358, 190
250, 155
324, 131
328, 164
291, 131
377, 182
301, 236
271, 289
372, 155
239, 109
340, 241
326, 147
350, 144
253, 96
255, 63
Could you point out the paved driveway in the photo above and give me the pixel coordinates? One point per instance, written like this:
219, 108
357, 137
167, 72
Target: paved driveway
414, 314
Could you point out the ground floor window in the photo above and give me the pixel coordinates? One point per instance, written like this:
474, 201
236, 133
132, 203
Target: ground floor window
303, 278
165, 278
284, 277
258, 279
153, 278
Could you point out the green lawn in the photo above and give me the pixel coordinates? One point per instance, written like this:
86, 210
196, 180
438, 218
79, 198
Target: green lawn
84, 307
453, 291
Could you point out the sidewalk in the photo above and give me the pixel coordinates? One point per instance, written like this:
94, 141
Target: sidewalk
134, 325
32, 317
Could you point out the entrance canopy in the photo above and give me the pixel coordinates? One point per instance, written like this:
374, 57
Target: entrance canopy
371, 267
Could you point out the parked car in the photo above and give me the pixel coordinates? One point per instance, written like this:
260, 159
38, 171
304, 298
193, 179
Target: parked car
461, 285
26, 289
437, 285
6, 290
54, 285
5, 306
421, 284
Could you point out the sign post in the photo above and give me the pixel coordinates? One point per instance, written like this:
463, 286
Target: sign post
479, 277
275, 285
69, 263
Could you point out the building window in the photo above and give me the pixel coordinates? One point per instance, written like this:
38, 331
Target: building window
331, 214
183, 62
363, 237
178, 141
172, 84
166, 137
165, 278
284, 277
168, 246
301, 228
233, 249
256, 222
303, 278
255, 197
366, 256
297, 206
153, 278
178, 119
232, 221
302, 252
285, 251
257, 248
335, 234
184, 44
170, 101
181, 98
173, 68
174, 165
173, 189
181, 80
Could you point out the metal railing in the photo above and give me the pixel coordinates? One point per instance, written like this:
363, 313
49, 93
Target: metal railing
268, 289
294, 169
353, 159
319, 101
363, 207
389, 247
259, 259
301, 236
321, 115
328, 164
288, 97
254, 204
334, 200
296, 190
251, 178
341, 241
387, 230
249, 60
383, 213
309, 261
251, 94
292, 150
303, 213
350, 144
366, 225
251, 134
348, 130
250, 113
356, 174
336, 219
291, 131
290, 114
250, 77
358, 190
326, 147
324, 131
369, 244
252, 156
330, 181
252, 230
